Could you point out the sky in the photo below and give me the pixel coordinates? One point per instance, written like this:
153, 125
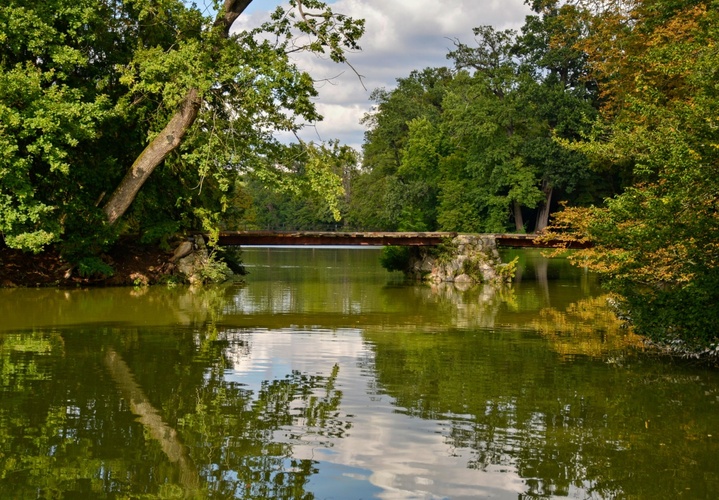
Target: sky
400, 36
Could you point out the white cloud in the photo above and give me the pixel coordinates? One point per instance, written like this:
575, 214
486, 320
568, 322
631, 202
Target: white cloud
404, 457
401, 35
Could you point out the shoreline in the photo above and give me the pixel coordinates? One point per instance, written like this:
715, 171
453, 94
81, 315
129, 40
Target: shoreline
133, 264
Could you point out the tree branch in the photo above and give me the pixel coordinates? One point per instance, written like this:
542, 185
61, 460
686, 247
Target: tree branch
232, 10
305, 15
155, 152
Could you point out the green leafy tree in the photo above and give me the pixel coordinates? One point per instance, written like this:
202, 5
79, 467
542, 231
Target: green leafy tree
294, 195
656, 63
488, 123
564, 100
95, 95
520, 93
393, 195
481, 146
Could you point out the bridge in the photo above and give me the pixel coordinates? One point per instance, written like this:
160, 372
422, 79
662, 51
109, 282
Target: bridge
320, 238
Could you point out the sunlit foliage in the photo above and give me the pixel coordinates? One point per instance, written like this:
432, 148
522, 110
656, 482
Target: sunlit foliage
86, 87
657, 242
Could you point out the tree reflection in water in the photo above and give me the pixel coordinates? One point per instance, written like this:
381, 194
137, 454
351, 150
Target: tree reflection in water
563, 418
322, 379
118, 412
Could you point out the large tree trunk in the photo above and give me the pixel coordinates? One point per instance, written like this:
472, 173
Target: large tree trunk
171, 136
152, 156
543, 214
518, 219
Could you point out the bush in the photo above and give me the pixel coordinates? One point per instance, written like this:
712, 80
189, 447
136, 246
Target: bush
215, 270
395, 258
232, 256
686, 316
89, 267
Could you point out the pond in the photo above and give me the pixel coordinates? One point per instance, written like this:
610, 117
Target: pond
325, 376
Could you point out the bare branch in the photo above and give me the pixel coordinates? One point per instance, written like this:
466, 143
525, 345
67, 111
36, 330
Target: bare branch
305, 17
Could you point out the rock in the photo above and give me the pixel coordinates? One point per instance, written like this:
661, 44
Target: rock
192, 264
183, 250
463, 278
473, 259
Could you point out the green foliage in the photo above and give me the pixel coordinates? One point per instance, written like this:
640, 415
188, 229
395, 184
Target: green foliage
86, 85
395, 258
46, 119
215, 270
398, 183
232, 257
94, 267
309, 189
476, 148
657, 242
506, 271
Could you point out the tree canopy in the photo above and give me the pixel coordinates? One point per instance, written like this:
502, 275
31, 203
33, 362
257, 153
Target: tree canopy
474, 148
657, 65
95, 95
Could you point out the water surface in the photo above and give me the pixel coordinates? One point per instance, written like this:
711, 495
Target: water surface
327, 377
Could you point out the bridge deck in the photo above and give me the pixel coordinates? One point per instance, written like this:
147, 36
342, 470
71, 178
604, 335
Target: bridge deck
331, 238
268, 238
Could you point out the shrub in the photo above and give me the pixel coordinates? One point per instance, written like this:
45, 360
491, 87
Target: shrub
395, 258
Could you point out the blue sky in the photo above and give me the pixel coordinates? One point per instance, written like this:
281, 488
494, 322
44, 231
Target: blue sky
401, 35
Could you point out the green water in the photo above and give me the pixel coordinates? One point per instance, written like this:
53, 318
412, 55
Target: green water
326, 377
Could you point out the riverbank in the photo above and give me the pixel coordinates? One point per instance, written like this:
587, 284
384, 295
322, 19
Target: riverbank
131, 262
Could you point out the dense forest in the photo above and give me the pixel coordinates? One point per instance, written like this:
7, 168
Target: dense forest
481, 146
597, 120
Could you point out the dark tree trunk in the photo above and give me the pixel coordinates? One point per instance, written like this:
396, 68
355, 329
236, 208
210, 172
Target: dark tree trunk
543, 214
518, 219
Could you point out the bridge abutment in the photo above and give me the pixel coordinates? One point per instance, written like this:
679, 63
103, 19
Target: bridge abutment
466, 258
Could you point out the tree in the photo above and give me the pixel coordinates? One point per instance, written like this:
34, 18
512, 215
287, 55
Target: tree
656, 63
564, 97
522, 92
393, 196
471, 149
487, 121
96, 94
294, 195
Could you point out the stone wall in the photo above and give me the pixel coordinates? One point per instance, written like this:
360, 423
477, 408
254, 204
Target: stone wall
466, 259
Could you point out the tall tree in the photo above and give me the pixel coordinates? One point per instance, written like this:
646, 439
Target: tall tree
656, 62
526, 90
392, 195
489, 117
564, 97
96, 94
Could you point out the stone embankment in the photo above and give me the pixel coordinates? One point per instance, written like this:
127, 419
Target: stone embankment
466, 259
